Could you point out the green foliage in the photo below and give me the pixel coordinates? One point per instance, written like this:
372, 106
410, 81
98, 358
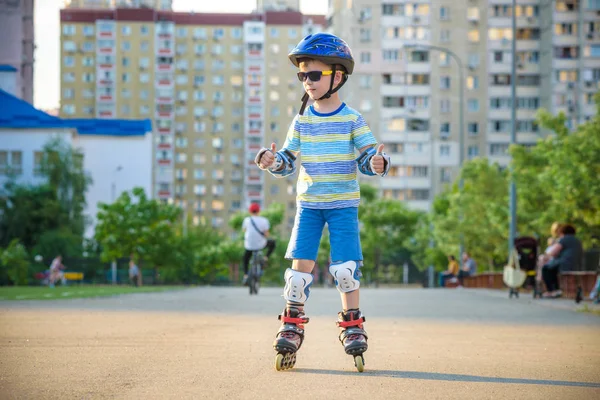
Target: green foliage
423, 250
14, 264
137, 226
58, 241
386, 225
274, 213
557, 179
27, 212
62, 166
477, 214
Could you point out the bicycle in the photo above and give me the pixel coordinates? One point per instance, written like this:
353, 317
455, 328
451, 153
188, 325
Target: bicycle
255, 272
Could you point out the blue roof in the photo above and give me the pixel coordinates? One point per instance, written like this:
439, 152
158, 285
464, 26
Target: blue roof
7, 68
113, 127
17, 113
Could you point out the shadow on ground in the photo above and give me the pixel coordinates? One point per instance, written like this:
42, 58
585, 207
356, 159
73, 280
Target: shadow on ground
432, 376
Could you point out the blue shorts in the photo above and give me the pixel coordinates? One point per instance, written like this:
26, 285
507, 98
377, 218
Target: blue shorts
344, 235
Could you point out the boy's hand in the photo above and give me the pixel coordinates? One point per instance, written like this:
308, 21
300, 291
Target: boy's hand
377, 162
268, 157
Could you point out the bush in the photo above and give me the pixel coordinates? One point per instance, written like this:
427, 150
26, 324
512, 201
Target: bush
14, 264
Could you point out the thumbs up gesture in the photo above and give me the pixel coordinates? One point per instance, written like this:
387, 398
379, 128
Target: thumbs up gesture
377, 162
268, 157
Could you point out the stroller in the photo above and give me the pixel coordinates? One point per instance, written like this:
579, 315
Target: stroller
521, 270
527, 249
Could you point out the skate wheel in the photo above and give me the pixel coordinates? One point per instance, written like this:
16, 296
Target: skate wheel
285, 361
359, 362
279, 362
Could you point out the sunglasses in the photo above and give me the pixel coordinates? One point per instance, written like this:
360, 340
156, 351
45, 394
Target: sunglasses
314, 76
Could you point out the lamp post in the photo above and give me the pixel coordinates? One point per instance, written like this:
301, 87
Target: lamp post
461, 116
113, 193
513, 134
113, 187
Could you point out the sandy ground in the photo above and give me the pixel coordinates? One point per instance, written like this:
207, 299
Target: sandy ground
215, 343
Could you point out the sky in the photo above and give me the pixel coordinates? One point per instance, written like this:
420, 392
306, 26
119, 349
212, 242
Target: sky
47, 38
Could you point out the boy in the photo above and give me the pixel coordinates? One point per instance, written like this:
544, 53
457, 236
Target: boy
328, 192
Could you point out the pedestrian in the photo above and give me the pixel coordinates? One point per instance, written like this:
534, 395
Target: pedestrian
327, 136
134, 273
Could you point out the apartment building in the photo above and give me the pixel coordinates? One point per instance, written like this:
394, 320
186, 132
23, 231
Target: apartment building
407, 81
16, 51
218, 87
163, 5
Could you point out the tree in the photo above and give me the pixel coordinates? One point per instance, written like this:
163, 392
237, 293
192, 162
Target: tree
26, 212
14, 264
477, 215
62, 166
386, 224
557, 180
137, 226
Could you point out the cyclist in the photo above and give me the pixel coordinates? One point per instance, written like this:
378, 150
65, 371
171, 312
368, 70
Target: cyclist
256, 236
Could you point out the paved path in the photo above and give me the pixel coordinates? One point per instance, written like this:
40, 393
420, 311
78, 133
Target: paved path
215, 343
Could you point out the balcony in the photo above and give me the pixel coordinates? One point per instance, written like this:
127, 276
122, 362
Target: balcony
105, 98
164, 162
565, 40
164, 194
105, 114
165, 67
164, 83
254, 180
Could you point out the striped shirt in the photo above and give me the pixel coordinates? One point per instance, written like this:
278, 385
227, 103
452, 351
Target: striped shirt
327, 142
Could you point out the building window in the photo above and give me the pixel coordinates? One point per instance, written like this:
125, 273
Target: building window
446, 174
445, 35
445, 105
473, 60
182, 32
68, 93
445, 129
365, 57
444, 59
498, 149
444, 13
126, 45
473, 151
445, 82
69, 30
473, 105
473, 36
472, 82
445, 150
473, 128
69, 109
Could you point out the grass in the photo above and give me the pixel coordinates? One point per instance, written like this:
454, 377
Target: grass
587, 309
74, 292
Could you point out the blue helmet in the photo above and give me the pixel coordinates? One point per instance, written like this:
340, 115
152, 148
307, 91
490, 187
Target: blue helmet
326, 48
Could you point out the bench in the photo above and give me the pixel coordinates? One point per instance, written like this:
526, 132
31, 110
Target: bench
569, 282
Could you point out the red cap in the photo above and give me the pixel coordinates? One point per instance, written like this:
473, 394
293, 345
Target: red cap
254, 208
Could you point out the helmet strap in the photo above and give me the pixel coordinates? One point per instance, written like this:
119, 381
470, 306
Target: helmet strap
304, 101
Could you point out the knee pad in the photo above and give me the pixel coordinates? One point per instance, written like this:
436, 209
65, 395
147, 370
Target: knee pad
347, 276
297, 286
